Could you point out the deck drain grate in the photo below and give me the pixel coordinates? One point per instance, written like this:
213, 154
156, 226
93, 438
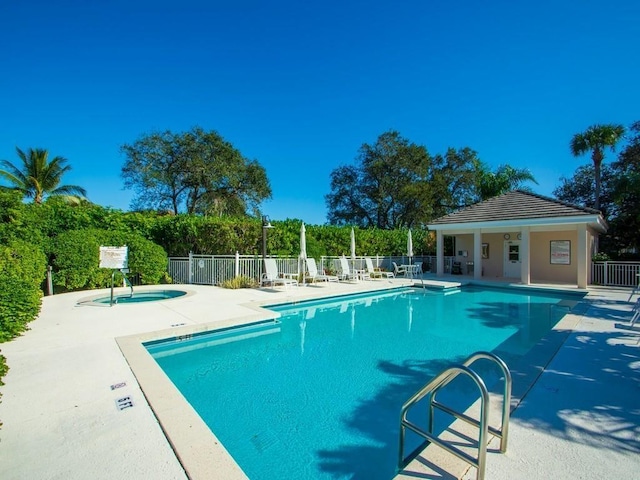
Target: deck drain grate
178, 324
118, 385
124, 403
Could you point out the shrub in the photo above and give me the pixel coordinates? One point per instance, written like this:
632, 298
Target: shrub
19, 304
146, 258
22, 260
4, 368
22, 270
239, 282
76, 258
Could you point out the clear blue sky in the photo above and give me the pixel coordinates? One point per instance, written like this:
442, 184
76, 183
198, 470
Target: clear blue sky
300, 86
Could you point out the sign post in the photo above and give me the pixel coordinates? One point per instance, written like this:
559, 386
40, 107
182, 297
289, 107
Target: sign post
115, 258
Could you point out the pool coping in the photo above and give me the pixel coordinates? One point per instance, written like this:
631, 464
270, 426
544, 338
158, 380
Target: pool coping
90, 301
186, 432
201, 453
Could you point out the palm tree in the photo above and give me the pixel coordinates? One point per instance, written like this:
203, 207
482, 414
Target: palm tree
39, 177
595, 139
504, 179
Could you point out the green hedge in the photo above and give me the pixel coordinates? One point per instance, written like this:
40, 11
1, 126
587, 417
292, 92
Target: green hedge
19, 304
182, 234
22, 270
75, 257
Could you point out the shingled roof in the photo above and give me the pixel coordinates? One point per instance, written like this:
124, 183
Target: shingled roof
514, 205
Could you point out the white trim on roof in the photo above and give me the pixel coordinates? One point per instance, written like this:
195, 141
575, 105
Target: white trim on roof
594, 220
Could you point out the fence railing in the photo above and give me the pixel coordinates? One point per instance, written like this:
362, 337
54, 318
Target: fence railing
386, 262
215, 269
618, 274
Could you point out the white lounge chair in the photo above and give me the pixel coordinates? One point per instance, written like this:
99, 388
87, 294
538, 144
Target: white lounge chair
373, 273
272, 277
312, 268
417, 268
636, 313
398, 270
345, 272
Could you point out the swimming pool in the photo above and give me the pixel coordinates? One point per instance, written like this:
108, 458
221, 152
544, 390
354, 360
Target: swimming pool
318, 394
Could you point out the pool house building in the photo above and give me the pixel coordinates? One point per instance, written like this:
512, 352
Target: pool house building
523, 237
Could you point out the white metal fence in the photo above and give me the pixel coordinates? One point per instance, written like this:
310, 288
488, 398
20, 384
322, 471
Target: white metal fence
619, 274
215, 269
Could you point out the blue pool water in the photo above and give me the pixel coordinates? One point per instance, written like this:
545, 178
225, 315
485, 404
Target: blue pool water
144, 296
317, 394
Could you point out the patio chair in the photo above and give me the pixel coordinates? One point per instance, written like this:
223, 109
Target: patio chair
417, 268
312, 268
398, 270
636, 313
344, 270
373, 273
272, 277
636, 288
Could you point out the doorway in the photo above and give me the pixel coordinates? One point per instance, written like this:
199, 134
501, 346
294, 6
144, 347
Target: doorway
512, 259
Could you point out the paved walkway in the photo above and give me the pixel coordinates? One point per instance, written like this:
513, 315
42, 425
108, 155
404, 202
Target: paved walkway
581, 420
60, 402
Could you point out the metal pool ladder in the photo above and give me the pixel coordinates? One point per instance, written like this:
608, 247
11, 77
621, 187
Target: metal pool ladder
482, 424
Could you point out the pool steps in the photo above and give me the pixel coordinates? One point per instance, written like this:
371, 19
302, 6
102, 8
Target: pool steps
432, 388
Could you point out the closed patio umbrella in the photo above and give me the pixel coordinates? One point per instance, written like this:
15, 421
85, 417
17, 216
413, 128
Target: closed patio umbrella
410, 251
353, 251
303, 250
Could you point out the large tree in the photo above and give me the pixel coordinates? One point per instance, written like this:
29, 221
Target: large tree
504, 179
193, 172
453, 178
595, 139
39, 177
619, 197
395, 183
387, 188
580, 189
626, 195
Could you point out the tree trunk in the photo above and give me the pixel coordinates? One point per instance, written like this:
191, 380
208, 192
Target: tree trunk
597, 162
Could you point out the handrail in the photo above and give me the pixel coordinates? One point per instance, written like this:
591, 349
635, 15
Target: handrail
126, 280
506, 396
124, 275
443, 379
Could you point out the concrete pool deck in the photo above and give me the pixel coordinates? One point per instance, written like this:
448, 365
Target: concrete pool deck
68, 380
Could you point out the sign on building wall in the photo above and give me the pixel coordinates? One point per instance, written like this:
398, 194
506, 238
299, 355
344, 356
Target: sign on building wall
560, 252
114, 257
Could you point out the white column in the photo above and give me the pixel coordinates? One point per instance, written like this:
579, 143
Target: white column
440, 253
477, 254
525, 257
582, 256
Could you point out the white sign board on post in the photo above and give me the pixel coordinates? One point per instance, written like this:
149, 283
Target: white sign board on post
114, 257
